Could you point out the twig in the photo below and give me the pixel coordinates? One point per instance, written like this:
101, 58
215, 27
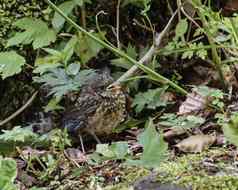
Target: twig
19, 110
142, 25
154, 75
146, 58
83, 15
118, 24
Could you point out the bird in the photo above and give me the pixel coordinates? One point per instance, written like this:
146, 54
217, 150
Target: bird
96, 112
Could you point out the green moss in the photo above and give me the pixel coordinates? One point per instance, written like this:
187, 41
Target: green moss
188, 170
11, 10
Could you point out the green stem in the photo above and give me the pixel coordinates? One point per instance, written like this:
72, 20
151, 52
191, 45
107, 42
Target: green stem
215, 56
120, 53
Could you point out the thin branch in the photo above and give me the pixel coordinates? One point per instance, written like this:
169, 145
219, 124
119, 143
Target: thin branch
83, 15
147, 57
156, 76
118, 24
19, 110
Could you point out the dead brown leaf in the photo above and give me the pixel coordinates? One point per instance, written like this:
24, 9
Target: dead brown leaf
196, 143
193, 104
76, 155
28, 152
173, 132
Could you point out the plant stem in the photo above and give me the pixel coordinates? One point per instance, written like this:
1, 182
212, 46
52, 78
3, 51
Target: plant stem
83, 16
120, 53
215, 56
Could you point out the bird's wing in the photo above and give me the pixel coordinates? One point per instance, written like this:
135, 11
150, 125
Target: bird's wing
76, 116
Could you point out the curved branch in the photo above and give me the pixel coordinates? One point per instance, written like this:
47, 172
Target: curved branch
19, 110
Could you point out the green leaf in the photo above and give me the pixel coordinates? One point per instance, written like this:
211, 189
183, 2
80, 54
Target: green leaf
184, 122
56, 57
122, 62
18, 134
145, 4
120, 149
81, 2
231, 130
150, 99
10, 63
67, 7
181, 28
53, 105
73, 69
60, 82
117, 150
104, 150
8, 173
154, 148
35, 31
87, 48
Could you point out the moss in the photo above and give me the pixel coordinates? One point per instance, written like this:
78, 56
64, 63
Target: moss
11, 10
189, 171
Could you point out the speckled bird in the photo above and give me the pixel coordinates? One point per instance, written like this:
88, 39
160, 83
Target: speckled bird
96, 112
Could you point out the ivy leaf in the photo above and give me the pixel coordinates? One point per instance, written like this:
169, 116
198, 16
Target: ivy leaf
231, 130
35, 31
154, 148
150, 99
10, 63
87, 48
8, 173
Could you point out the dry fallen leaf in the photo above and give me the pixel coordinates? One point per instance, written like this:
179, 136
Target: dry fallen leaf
194, 103
76, 155
28, 152
196, 143
173, 132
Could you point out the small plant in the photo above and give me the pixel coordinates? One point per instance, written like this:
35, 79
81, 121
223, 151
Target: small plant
154, 150
8, 173
150, 99
184, 122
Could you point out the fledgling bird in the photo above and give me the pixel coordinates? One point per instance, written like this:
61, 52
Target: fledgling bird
96, 113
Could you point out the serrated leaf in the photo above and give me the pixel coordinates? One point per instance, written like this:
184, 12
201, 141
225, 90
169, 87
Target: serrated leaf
150, 99
67, 7
35, 31
18, 134
73, 69
120, 149
154, 148
181, 28
10, 64
231, 130
117, 150
145, 4
8, 173
104, 150
56, 57
60, 82
122, 62
87, 48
